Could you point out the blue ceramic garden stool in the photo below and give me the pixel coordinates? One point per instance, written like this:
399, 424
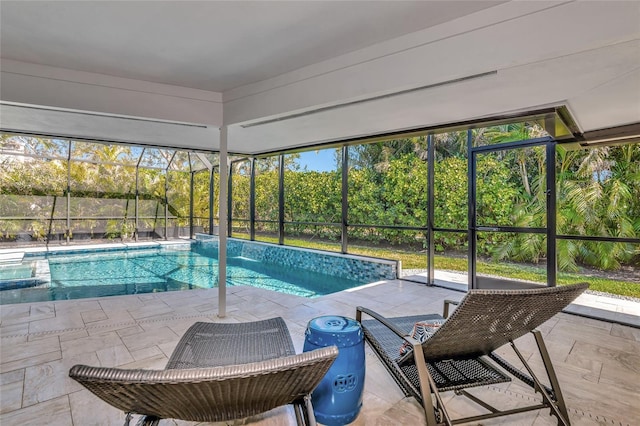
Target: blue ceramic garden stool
338, 398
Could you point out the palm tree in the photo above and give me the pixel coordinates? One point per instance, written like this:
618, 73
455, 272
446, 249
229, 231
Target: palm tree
598, 196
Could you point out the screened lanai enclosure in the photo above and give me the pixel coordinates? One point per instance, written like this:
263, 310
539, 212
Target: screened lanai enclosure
507, 200
55, 191
512, 200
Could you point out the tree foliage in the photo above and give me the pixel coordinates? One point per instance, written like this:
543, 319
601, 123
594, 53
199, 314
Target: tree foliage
36, 177
598, 194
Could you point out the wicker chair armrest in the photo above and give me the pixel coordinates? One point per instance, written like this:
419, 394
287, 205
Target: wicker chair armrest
211, 394
383, 321
191, 375
447, 303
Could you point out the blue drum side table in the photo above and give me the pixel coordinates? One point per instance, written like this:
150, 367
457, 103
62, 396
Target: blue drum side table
338, 398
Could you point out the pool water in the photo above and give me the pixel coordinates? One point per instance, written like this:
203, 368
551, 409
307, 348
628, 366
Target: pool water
12, 272
163, 269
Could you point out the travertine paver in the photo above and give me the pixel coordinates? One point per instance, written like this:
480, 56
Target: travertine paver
114, 356
11, 395
597, 362
52, 412
50, 380
19, 352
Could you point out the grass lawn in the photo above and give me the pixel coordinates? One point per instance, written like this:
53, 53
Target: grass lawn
413, 260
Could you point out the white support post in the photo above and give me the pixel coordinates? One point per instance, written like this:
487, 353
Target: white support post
222, 225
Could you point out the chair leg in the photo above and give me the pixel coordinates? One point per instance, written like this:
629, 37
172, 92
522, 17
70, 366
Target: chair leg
551, 373
304, 412
555, 410
297, 409
427, 388
148, 421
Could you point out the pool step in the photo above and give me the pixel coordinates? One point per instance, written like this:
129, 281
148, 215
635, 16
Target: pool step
40, 275
42, 272
15, 257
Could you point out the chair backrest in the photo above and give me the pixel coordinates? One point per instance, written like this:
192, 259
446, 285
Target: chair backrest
488, 319
209, 394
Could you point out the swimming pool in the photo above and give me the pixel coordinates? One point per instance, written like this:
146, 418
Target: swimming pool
148, 270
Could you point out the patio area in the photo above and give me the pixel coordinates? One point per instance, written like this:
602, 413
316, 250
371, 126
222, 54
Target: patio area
597, 362
459, 131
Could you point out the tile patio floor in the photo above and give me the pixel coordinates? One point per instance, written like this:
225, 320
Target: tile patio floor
598, 363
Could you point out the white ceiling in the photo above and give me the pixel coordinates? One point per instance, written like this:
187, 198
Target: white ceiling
315, 71
208, 45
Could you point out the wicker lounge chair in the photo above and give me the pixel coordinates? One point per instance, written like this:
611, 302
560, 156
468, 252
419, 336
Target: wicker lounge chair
460, 353
217, 372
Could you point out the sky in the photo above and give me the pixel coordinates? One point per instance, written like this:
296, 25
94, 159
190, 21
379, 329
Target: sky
322, 161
